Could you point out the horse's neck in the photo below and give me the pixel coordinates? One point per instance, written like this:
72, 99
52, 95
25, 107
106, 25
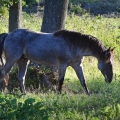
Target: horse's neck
98, 53
86, 53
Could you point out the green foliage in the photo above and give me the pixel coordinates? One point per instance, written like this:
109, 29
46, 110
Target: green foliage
52, 106
11, 108
7, 2
4, 11
31, 1
31, 22
32, 81
77, 9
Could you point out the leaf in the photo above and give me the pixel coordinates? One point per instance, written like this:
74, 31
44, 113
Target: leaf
29, 101
118, 109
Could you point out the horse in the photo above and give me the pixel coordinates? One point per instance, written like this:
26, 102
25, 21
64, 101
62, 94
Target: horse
62, 48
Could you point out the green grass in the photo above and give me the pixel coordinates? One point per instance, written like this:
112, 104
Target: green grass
104, 104
104, 101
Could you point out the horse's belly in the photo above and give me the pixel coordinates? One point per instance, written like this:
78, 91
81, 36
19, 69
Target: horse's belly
43, 62
41, 57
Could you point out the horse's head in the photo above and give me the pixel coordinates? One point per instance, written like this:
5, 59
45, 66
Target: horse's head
106, 65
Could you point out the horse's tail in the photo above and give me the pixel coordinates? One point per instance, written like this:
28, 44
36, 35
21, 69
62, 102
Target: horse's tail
2, 38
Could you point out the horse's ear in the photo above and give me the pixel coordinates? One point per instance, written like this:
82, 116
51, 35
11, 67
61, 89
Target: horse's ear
113, 49
109, 49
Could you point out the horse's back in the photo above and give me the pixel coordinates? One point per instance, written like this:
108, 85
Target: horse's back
42, 48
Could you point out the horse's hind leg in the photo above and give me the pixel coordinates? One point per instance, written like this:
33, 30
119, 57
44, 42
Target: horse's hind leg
22, 64
2, 76
61, 73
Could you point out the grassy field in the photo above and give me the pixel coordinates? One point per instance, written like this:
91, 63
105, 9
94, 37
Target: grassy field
104, 101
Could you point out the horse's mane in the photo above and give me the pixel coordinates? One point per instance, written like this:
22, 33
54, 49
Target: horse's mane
83, 41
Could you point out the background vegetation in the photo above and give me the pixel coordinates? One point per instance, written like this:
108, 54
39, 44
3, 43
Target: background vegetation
104, 101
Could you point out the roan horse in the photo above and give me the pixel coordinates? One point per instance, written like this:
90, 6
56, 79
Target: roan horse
63, 48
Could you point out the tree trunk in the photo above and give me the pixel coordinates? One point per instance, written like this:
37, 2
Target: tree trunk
54, 15
15, 16
54, 18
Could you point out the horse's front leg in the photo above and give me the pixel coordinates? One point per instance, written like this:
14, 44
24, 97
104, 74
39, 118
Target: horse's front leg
3, 74
61, 73
79, 71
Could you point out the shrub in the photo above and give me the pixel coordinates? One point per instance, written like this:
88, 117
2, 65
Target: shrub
33, 80
4, 11
77, 9
31, 1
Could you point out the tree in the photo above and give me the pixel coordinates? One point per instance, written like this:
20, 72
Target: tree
15, 13
54, 18
54, 15
15, 16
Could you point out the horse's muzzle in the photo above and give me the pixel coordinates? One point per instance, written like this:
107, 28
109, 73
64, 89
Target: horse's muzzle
109, 80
